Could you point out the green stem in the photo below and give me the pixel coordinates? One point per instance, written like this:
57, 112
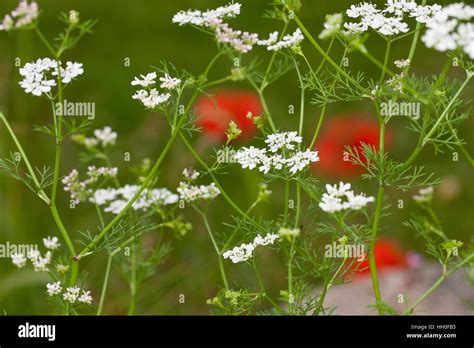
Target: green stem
389, 72
41, 194
445, 112
373, 237
216, 248
104, 285
326, 56
219, 186
438, 282
290, 279
415, 37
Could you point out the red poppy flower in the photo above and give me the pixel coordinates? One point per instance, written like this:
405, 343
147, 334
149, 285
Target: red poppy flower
339, 132
388, 254
215, 112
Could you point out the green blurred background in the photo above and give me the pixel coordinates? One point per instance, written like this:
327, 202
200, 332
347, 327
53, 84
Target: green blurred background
142, 31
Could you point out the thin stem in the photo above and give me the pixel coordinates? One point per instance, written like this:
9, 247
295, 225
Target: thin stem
445, 112
219, 186
216, 248
385, 63
389, 72
154, 169
373, 237
263, 85
291, 297
104, 285
41, 194
133, 281
45, 41
415, 37
438, 282
326, 56
287, 200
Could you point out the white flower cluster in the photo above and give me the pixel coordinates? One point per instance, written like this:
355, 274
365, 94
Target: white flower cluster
424, 195
38, 77
451, 28
191, 193
207, 18
332, 25
114, 200
80, 190
245, 251
288, 41
40, 263
390, 20
72, 294
105, 137
20, 17
241, 41
342, 198
402, 63
149, 95
281, 153
51, 243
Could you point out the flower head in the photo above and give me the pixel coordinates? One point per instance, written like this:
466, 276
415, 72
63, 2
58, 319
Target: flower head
25, 14
54, 288
51, 243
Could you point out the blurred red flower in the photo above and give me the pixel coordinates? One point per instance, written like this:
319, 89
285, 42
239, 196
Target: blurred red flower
341, 131
216, 111
388, 254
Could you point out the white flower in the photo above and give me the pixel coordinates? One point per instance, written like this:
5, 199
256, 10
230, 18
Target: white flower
338, 198
289, 40
40, 264
190, 174
169, 82
281, 153
85, 297
390, 20
270, 238
424, 195
71, 294
272, 39
301, 159
19, 259
7, 23
37, 79
240, 41
22, 16
250, 157
289, 232
402, 63
209, 17
105, 136
71, 71
190, 193
33, 254
239, 254
116, 199
332, 25
152, 98
145, 80
51, 243
448, 30
285, 140
54, 288
245, 251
